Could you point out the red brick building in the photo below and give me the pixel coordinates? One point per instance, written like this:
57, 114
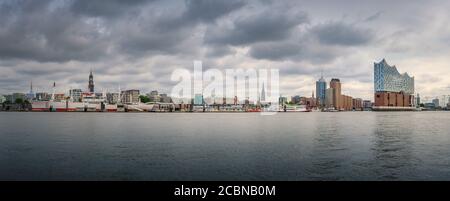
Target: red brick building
393, 99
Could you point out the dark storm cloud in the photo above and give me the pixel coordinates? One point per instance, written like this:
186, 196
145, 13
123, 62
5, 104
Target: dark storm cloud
255, 26
34, 30
144, 40
206, 10
340, 33
295, 50
105, 8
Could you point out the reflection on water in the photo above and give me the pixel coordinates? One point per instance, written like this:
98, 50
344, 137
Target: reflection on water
326, 149
393, 146
244, 146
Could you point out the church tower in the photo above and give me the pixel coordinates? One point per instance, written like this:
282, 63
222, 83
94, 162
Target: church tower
91, 82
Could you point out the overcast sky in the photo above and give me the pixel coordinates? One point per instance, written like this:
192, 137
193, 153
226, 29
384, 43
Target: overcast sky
137, 44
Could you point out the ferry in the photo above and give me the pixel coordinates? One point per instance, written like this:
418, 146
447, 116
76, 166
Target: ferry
296, 108
69, 106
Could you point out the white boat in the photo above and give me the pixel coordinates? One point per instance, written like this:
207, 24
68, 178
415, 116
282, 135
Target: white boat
331, 109
296, 108
68, 106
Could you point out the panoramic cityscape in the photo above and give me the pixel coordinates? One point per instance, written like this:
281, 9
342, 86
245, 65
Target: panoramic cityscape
393, 91
224, 99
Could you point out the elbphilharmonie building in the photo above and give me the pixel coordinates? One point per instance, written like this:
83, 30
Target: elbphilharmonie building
388, 79
393, 91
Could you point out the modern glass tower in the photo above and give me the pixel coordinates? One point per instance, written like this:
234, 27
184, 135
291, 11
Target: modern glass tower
321, 89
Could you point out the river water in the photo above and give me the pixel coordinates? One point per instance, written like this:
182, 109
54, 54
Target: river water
225, 146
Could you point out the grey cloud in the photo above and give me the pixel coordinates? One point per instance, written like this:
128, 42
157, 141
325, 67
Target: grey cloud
275, 51
206, 10
32, 31
260, 25
302, 49
374, 16
340, 33
104, 8
140, 42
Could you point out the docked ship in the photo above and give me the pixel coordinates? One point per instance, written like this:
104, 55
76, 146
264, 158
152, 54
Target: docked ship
77, 101
69, 106
296, 108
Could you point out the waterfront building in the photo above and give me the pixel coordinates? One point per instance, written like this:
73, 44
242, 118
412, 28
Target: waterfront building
448, 104
91, 82
154, 96
92, 98
164, 98
296, 99
112, 98
335, 84
130, 96
308, 101
282, 100
436, 102
9, 98
367, 104
198, 99
321, 90
357, 104
329, 98
418, 100
392, 89
388, 79
346, 103
75, 95
430, 106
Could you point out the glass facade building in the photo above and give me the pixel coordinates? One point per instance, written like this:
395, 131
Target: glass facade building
388, 79
321, 90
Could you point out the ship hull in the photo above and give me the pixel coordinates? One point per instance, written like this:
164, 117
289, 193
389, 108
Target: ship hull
51, 106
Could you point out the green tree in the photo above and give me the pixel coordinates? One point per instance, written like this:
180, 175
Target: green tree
144, 99
19, 101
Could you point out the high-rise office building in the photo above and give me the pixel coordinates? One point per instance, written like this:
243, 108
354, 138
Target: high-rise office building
329, 98
335, 84
321, 90
198, 99
436, 102
418, 100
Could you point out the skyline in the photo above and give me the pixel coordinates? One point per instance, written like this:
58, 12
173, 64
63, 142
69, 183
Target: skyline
137, 45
